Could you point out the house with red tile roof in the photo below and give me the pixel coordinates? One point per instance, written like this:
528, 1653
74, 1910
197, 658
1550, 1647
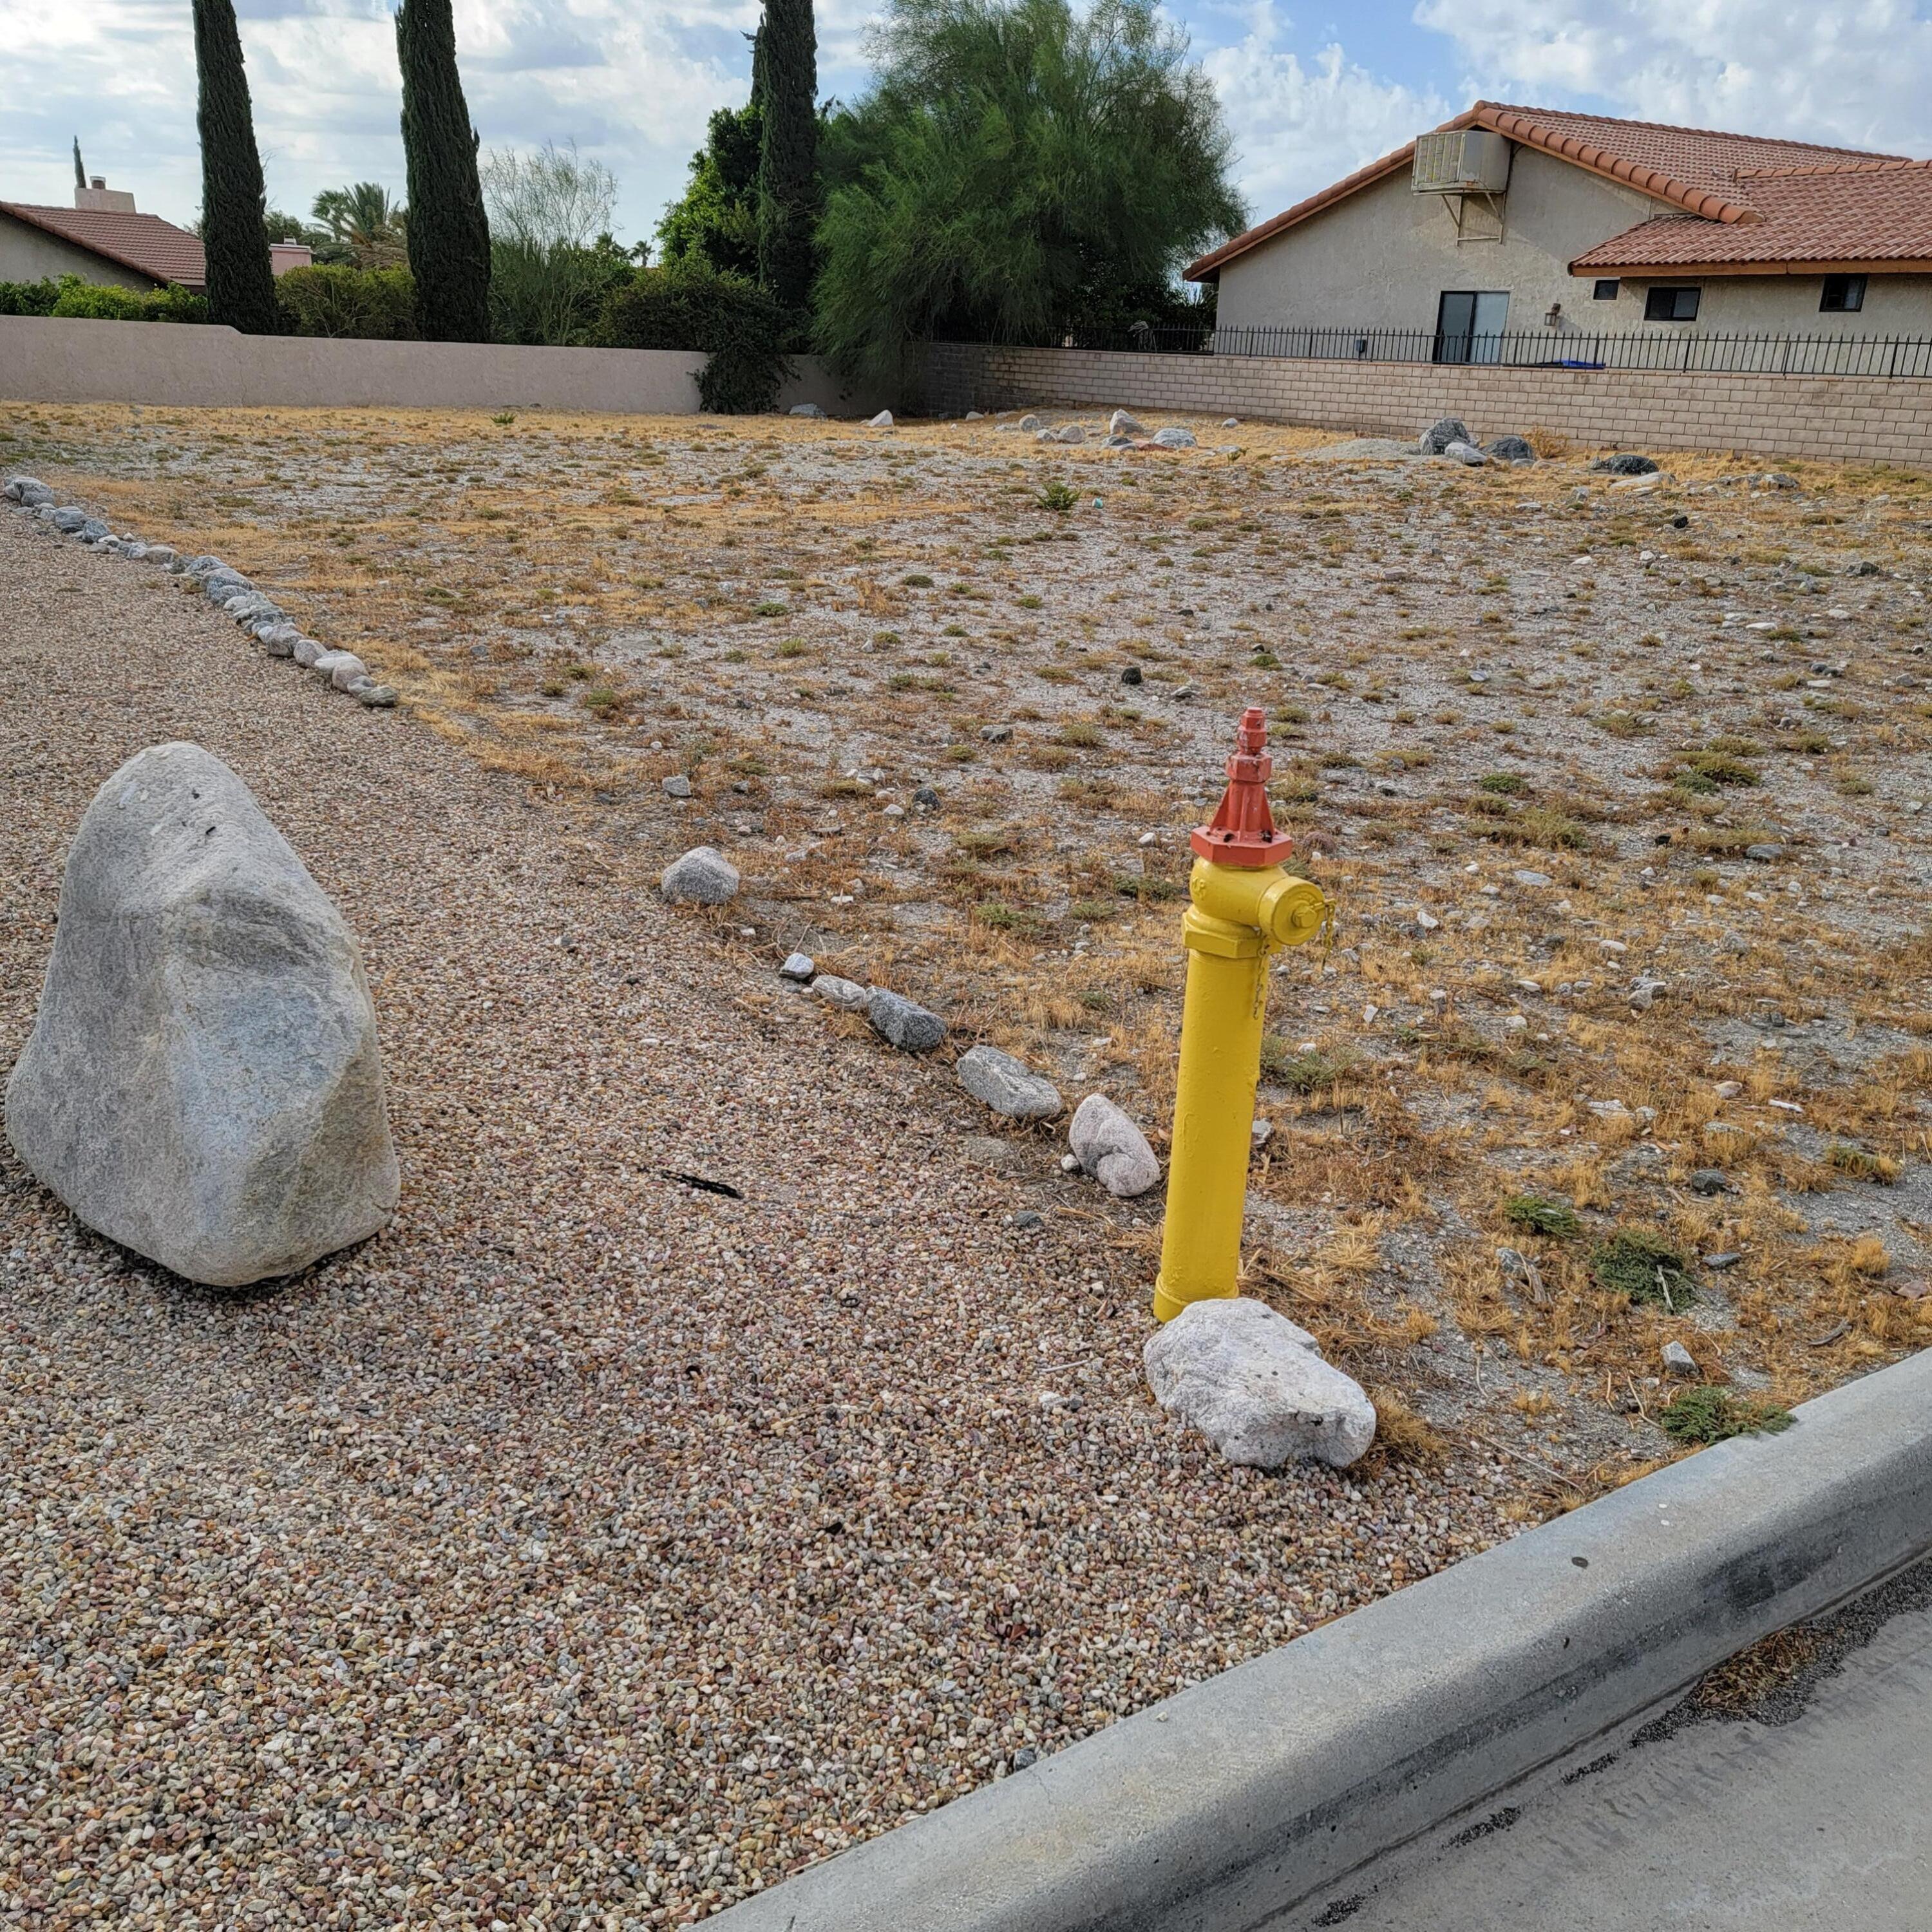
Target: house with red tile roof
1519, 219
102, 239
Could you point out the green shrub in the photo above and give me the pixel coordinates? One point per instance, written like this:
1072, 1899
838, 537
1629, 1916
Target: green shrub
1643, 1266
689, 304
28, 297
1699, 1416
1536, 1216
101, 301
364, 305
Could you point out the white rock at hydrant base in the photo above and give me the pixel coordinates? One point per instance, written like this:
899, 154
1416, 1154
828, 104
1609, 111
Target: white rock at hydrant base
1109, 1147
1255, 1386
203, 1083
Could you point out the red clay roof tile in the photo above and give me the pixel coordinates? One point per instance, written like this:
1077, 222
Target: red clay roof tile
1699, 171
142, 242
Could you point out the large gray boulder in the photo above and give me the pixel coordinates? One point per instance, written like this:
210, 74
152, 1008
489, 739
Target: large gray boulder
1436, 439
1109, 1147
1255, 1386
203, 1083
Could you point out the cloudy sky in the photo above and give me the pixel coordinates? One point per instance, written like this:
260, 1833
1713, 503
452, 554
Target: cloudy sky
1308, 95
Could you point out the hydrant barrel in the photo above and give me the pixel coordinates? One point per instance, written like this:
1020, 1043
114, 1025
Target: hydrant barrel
1243, 906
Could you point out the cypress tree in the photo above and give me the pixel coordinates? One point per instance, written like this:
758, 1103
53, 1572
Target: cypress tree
447, 231
240, 278
785, 85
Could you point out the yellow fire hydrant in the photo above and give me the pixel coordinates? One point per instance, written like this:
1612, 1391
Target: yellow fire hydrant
1245, 907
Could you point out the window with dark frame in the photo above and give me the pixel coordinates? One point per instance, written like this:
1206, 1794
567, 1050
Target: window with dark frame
1844, 295
1606, 290
1671, 304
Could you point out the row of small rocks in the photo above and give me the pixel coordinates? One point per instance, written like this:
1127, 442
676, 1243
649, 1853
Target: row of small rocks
1123, 432
259, 615
1105, 1143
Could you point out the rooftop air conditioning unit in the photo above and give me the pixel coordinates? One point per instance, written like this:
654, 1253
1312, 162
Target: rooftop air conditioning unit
1461, 160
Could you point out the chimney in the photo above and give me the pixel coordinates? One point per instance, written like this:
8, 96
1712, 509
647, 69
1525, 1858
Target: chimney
101, 198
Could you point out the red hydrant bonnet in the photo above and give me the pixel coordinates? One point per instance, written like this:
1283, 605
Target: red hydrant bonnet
1242, 830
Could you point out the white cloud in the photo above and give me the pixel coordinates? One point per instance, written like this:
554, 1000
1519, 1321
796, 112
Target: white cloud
632, 85
1297, 127
1855, 75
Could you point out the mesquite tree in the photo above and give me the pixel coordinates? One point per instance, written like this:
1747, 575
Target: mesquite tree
786, 87
447, 231
240, 276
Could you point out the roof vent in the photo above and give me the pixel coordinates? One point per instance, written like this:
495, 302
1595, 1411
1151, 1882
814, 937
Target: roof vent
1461, 160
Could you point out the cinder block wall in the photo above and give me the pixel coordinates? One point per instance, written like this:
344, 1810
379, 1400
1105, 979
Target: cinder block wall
1846, 417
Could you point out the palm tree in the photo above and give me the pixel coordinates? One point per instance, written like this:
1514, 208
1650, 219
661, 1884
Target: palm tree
363, 223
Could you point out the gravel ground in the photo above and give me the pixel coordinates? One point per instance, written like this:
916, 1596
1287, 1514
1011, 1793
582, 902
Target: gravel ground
587, 1550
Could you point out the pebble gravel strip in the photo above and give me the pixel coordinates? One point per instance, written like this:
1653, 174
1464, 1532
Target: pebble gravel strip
588, 1550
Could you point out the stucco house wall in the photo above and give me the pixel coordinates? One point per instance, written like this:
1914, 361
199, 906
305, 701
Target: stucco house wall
1382, 258
31, 254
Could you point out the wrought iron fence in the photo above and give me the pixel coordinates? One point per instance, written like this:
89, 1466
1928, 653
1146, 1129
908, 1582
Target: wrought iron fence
1662, 348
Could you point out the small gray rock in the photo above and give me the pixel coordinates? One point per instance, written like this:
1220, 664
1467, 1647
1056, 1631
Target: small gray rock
906, 1025
1254, 1384
67, 518
847, 995
1765, 855
810, 410
998, 1081
1466, 453
1131, 675
1175, 436
677, 786
378, 697
1110, 1148
1511, 449
307, 652
927, 797
1121, 423
798, 966
883, 420
1028, 422
1523, 876
278, 641
93, 530
1710, 1181
703, 877
1678, 1360
1436, 439
162, 554
1626, 462
1069, 432
325, 666
251, 607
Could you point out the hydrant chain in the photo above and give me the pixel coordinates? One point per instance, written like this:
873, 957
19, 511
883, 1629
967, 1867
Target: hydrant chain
1243, 907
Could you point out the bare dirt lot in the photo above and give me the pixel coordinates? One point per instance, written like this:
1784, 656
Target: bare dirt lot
1618, 790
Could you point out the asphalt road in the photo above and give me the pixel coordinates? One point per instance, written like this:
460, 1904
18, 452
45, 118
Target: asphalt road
1811, 1813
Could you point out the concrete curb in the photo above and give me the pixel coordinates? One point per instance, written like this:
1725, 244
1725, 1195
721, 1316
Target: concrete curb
1248, 1795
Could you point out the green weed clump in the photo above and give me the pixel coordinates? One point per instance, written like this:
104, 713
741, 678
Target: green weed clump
1701, 1416
1643, 1266
1536, 1216
1304, 1072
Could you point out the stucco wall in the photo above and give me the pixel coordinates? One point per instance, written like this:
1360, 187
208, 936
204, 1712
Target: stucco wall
43, 359
1382, 258
30, 254
1864, 419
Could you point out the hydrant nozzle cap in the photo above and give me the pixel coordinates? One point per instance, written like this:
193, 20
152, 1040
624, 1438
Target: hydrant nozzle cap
1242, 832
